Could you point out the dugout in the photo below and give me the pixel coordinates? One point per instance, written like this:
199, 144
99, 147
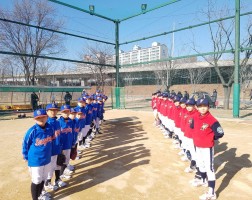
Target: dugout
19, 97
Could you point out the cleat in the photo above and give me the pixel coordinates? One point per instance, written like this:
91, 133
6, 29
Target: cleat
64, 176
208, 196
184, 158
198, 183
181, 153
60, 184
50, 187
189, 170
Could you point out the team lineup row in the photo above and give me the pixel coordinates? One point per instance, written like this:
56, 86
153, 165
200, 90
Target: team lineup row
194, 131
49, 145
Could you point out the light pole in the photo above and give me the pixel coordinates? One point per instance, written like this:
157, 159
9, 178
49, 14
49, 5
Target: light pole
171, 55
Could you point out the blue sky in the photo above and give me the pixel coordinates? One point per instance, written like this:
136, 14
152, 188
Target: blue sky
180, 14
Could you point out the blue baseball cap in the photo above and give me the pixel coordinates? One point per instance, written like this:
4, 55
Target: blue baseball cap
52, 106
72, 110
80, 99
191, 102
78, 110
99, 99
176, 98
89, 97
165, 95
39, 113
202, 101
65, 107
183, 100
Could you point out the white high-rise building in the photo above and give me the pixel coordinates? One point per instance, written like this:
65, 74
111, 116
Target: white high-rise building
157, 51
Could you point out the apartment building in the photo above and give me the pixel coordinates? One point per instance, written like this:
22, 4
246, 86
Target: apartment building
138, 54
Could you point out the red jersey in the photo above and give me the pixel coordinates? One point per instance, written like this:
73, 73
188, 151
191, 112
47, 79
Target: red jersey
206, 129
162, 106
182, 119
188, 117
170, 110
158, 104
167, 104
176, 116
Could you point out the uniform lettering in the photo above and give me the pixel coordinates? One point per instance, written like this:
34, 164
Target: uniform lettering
66, 130
40, 142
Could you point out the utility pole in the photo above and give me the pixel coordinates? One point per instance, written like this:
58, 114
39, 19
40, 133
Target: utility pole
236, 93
171, 55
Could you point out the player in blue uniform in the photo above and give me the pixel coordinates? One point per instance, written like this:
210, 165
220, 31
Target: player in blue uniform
37, 151
52, 110
99, 113
67, 126
82, 120
89, 117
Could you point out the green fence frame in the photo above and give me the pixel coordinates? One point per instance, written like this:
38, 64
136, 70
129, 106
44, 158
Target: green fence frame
118, 97
237, 50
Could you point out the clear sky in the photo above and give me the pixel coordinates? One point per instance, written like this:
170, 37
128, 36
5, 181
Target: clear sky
180, 14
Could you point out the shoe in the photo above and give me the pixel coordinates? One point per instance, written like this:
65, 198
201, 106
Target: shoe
99, 132
60, 184
44, 193
64, 176
93, 134
87, 145
82, 147
176, 146
175, 142
166, 136
41, 197
70, 167
67, 171
189, 170
79, 152
208, 196
77, 158
181, 153
199, 182
184, 158
50, 187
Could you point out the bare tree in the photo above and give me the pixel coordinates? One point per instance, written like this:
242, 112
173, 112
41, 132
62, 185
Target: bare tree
197, 75
9, 68
98, 54
221, 39
246, 66
27, 40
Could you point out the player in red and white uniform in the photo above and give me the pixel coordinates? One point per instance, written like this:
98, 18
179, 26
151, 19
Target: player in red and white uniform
206, 130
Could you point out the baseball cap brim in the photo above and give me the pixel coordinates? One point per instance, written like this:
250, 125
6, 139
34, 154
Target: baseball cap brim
40, 116
65, 110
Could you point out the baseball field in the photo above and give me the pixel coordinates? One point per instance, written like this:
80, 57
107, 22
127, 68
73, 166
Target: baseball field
132, 160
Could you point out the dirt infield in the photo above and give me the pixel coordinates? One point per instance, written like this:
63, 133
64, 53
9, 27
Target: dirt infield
132, 161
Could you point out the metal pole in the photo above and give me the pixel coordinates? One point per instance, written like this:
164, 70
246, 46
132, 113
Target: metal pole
117, 89
236, 92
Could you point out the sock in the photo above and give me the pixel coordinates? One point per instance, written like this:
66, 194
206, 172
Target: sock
41, 186
211, 185
47, 181
83, 140
35, 191
203, 176
57, 175
193, 164
198, 174
62, 169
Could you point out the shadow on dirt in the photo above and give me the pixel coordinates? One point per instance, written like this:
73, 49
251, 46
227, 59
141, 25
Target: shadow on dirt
233, 164
112, 154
